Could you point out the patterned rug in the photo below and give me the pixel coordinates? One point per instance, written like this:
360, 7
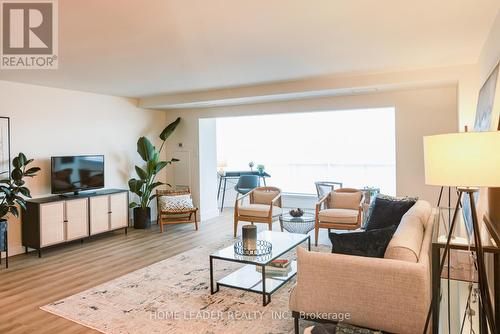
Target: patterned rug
173, 296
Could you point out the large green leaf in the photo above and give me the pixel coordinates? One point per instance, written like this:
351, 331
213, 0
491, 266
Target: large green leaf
16, 162
14, 211
145, 149
5, 190
17, 174
22, 204
25, 191
135, 185
32, 171
4, 209
22, 159
156, 184
143, 175
160, 165
167, 132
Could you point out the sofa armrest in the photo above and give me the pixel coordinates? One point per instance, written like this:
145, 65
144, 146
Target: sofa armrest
383, 294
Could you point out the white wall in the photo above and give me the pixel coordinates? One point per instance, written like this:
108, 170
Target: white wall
208, 168
419, 112
490, 54
48, 121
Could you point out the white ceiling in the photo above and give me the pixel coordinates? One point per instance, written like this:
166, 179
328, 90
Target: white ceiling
139, 48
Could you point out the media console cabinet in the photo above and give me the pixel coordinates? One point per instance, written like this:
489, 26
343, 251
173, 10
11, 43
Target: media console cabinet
57, 220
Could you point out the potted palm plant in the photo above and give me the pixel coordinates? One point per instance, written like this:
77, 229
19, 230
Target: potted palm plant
144, 186
13, 192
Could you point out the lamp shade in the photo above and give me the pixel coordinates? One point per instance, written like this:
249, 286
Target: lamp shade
466, 159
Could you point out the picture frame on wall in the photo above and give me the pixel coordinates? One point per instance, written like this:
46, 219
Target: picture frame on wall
487, 119
488, 104
5, 162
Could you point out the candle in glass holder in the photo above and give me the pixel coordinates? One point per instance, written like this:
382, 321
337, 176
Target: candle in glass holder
249, 233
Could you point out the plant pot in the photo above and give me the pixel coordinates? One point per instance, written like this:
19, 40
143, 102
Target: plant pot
3, 235
142, 218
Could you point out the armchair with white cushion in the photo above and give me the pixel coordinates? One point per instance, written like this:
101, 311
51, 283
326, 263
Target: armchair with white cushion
341, 209
264, 206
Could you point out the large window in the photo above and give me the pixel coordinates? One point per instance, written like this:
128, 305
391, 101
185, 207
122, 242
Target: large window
356, 147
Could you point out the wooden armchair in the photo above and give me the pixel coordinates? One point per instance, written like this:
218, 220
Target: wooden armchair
341, 209
170, 213
264, 207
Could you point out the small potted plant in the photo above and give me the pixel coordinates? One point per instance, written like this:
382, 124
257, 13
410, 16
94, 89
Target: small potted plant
13, 192
144, 186
260, 169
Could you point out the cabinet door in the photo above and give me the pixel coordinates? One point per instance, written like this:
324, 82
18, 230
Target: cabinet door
52, 223
77, 222
119, 210
99, 214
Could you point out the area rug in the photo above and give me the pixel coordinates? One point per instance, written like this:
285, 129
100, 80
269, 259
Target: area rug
173, 296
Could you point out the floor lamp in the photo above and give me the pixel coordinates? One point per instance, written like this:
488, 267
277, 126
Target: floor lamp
467, 160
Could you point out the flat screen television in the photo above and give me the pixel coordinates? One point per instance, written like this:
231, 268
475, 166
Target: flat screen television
77, 173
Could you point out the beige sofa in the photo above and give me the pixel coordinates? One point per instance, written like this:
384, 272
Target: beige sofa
390, 294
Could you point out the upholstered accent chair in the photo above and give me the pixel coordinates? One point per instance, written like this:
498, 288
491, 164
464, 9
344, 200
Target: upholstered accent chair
341, 209
264, 206
176, 207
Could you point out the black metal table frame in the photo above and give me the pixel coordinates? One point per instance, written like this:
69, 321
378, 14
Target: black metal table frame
266, 296
311, 221
235, 175
436, 248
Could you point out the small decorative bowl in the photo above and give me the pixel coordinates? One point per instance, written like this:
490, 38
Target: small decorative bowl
296, 212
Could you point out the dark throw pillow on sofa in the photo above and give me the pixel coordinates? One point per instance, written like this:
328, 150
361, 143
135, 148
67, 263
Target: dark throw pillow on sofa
387, 211
364, 243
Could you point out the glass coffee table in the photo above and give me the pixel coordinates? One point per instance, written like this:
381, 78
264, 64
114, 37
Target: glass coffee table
303, 224
248, 278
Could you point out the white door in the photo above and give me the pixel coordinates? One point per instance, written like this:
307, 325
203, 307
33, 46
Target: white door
99, 214
119, 210
77, 220
52, 223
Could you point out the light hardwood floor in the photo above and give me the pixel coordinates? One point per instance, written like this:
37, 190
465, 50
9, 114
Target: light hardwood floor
31, 282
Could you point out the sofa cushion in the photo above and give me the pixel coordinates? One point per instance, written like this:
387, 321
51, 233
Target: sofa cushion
364, 243
406, 243
388, 211
347, 200
338, 216
258, 210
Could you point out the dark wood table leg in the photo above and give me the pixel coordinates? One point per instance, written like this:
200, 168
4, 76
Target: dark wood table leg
309, 243
436, 288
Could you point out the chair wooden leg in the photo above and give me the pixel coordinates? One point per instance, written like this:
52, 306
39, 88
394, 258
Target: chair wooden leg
270, 226
235, 226
195, 222
316, 232
161, 225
